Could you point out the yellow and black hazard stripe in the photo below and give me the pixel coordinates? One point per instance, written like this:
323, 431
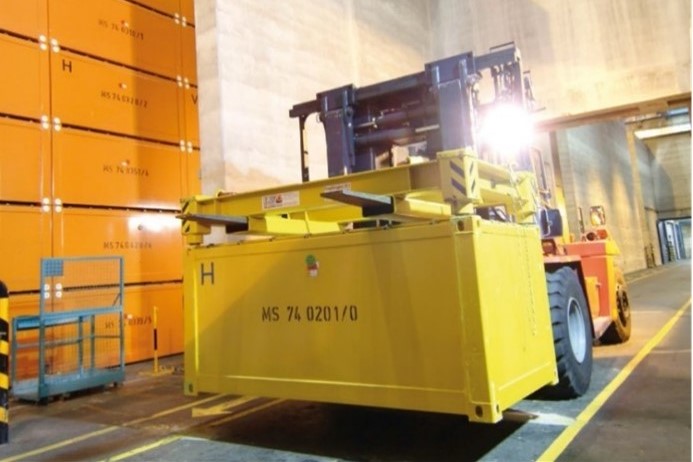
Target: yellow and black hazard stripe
4, 364
472, 174
457, 177
463, 177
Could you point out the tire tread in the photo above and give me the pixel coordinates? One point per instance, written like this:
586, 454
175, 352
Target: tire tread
573, 377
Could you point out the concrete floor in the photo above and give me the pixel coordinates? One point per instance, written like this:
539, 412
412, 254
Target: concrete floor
647, 418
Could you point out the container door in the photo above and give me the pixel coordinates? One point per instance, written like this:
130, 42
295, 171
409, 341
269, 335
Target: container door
140, 302
187, 10
24, 17
95, 169
169, 7
25, 364
24, 89
24, 240
92, 94
191, 174
150, 242
118, 31
192, 126
24, 161
189, 55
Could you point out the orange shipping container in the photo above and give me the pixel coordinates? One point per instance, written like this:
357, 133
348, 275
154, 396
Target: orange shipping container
187, 9
169, 7
26, 365
139, 320
24, 17
150, 242
189, 55
92, 94
119, 31
61, 357
24, 238
138, 329
24, 161
192, 121
95, 169
191, 174
25, 83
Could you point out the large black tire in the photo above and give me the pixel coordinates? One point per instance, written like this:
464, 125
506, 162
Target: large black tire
619, 330
572, 335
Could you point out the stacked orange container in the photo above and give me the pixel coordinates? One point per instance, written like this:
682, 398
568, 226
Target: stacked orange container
100, 140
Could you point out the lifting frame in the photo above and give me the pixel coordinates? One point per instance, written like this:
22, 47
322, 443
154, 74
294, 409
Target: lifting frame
455, 184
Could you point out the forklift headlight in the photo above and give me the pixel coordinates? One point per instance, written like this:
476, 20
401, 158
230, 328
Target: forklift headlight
506, 129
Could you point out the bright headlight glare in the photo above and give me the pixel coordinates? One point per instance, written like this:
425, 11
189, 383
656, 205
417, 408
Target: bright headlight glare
506, 129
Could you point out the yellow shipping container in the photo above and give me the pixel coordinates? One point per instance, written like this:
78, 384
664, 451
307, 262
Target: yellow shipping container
418, 322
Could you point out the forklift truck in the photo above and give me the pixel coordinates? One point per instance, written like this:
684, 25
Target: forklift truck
436, 283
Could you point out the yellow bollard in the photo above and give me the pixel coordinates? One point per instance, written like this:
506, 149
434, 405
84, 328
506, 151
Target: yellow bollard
157, 369
156, 341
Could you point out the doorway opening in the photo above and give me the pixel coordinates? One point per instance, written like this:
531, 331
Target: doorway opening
674, 239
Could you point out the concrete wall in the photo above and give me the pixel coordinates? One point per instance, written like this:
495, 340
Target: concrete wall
584, 55
595, 169
645, 162
671, 170
209, 96
259, 58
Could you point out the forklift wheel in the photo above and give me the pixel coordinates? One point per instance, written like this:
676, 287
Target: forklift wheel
572, 335
619, 330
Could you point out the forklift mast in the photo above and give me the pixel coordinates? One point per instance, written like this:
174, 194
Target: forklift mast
437, 108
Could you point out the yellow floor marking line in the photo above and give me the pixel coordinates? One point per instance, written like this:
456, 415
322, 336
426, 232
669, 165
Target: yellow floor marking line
61, 444
141, 449
569, 434
247, 412
226, 407
173, 410
171, 439
103, 431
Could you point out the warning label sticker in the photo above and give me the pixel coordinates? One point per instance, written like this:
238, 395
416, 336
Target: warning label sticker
277, 201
